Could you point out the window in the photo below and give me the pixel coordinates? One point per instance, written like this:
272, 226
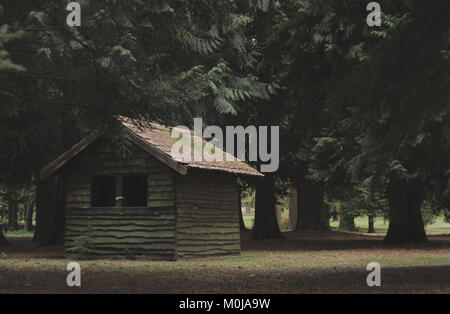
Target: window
119, 191
103, 192
135, 191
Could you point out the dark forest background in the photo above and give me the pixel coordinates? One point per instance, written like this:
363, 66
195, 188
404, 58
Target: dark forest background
363, 111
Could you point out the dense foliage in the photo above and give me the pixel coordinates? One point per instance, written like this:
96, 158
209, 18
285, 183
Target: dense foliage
364, 111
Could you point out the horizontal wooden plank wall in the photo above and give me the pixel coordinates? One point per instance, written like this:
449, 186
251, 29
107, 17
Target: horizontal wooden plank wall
207, 215
122, 232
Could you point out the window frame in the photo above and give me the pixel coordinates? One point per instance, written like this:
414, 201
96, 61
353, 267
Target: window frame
119, 191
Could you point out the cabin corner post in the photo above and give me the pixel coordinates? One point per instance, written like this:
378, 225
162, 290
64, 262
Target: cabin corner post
119, 201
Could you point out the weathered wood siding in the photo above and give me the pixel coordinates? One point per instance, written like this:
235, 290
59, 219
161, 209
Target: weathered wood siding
126, 231
207, 215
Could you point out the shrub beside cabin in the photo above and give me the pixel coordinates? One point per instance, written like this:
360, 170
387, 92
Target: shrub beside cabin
142, 203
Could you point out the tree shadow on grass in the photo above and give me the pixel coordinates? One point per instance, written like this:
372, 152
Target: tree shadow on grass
23, 247
332, 240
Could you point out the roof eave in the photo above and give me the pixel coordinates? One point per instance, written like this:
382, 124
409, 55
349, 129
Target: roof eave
60, 161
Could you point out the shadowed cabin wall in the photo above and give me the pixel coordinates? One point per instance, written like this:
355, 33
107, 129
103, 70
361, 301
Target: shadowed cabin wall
126, 231
207, 215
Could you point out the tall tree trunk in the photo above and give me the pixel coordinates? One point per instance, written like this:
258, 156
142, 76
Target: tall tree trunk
311, 213
12, 211
241, 217
405, 218
3, 239
447, 215
293, 207
347, 222
371, 220
266, 224
278, 212
50, 211
29, 216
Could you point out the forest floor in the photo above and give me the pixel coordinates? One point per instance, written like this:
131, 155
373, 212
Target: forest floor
304, 262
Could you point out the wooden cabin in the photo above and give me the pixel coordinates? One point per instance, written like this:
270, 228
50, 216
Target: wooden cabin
140, 202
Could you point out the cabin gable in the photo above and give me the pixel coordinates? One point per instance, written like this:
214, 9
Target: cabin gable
118, 230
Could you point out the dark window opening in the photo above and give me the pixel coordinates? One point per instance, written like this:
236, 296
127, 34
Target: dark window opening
112, 191
135, 191
103, 192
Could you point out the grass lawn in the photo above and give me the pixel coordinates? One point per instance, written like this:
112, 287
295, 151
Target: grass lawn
301, 263
19, 233
438, 227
